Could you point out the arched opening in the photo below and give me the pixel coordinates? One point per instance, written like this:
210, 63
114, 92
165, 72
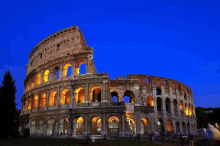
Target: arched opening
159, 104
35, 104
46, 76
43, 99
38, 79
185, 97
57, 70
150, 101
29, 84
167, 101
51, 126
158, 91
79, 95
115, 96
81, 67
192, 132
184, 127
188, 127
41, 127
32, 81
177, 126
95, 94
169, 126
175, 106
25, 104
67, 70
190, 110
113, 125
186, 109
29, 103
32, 127
132, 125
63, 126
194, 112
96, 125
65, 97
181, 106
128, 96
145, 127
53, 98
78, 126
160, 125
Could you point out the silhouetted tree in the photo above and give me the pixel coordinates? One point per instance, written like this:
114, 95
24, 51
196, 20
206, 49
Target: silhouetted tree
8, 110
202, 117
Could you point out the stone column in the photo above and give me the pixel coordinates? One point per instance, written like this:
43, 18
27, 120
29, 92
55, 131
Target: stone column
87, 100
181, 127
178, 106
69, 130
103, 124
104, 91
73, 68
41, 79
138, 131
56, 127
27, 104
123, 124
88, 66
155, 104
165, 123
47, 99
58, 97
61, 71
174, 125
85, 130
38, 103
162, 90
164, 106
154, 91
172, 110
45, 126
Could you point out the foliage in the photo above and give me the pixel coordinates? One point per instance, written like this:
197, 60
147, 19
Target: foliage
8, 111
26, 132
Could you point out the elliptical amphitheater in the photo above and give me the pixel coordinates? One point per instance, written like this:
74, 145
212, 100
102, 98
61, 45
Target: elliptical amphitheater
92, 103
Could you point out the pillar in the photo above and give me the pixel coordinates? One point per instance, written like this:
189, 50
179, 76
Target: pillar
87, 100
123, 124
85, 130
61, 71
174, 125
138, 131
172, 110
56, 132
103, 132
164, 106
73, 68
47, 99
58, 97
45, 127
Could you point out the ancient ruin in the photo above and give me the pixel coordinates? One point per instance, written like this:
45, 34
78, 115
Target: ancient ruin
91, 103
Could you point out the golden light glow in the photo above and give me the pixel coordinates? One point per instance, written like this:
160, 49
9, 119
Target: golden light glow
190, 110
181, 105
169, 125
43, 99
29, 103
35, 102
150, 101
29, 85
78, 66
65, 69
186, 109
32, 81
65, 97
53, 98
113, 118
79, 95
144, 121
194, 111
38, 79
25, 105
80, 120
66, 119
91, 91
45, 77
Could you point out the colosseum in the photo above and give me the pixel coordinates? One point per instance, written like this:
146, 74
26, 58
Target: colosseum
57, 102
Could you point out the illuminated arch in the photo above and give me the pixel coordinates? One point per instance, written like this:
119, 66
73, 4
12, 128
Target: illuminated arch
169, 125
41, 127
150, 101
132, 124
96, 125
181, 106
35, 102
160, 125
51, 126
95, 94
78, 66
29, 103
65, 97
32, 81
168, 105
113, 125
79, 95
186, 109
64, 125
145, 126
190, 110
65, 69
46, 76
53, 98
175, 105
29, 84
78, 126
129, 94
43, 99
38, 78
32, 127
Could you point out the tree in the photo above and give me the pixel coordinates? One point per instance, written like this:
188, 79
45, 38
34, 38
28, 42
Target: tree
8, 110
202, 117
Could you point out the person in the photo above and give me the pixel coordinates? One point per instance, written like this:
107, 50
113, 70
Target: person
190, 139
152, 137
93, 139
182, 141
174, 136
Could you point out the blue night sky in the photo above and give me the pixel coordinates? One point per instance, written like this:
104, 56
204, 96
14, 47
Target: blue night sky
173, 39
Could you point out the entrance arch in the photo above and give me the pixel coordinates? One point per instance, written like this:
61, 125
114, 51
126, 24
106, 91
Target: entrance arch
132, 125
145, 126
160, 126
95, 94
63, 125
177, 126
169, 126
113, 125
96, 125
51, 127
78, 126
184, 127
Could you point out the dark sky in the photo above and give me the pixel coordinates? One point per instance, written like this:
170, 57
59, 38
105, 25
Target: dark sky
173, 39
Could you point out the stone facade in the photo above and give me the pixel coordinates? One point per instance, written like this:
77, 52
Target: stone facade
91, 103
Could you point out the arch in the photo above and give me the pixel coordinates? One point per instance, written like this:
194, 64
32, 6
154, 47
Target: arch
95, 94
181, 106
25, 104
63, 126
169, 125
175, 105
78, 126
160, 125
38, 78
53, 98
29, 103
168, 105
131, 123
158, 91
150, 101
65, 97
113, 125
184, 127
190, 110
79, 63
96, 125
35, 102
32, 81
67, 70
46, 76
188, 127
51, 126
32, 127
79, 95
41, 127
145, 126
28, 85
159, 104
186, 109
114, 95
128, 96
185, 97
43, 99
57, 71
177, 126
